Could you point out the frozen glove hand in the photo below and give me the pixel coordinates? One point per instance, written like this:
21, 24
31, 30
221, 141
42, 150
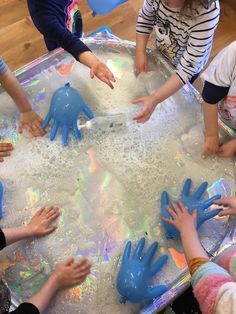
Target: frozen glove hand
105, 6
136, 272
191, 202
1, 199
66, 106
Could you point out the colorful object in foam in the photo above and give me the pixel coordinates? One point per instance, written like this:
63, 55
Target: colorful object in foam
66, 106
136, 272
191, 202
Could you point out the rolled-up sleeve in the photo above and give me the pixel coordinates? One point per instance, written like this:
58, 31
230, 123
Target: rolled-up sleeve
3, 66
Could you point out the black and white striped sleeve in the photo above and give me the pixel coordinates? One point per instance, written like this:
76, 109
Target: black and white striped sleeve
146, 18
199, 43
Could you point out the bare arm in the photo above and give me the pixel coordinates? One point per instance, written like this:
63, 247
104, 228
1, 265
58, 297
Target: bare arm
186, 224
13, 88
212, 142
39, 225
141, 42
66, 274
28, 117
172, 85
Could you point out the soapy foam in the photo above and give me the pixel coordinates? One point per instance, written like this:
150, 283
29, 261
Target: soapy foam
108, 186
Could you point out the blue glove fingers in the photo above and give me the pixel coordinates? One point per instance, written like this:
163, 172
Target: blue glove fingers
211, 200
88, 112
150, 253
211, 214
158, 264
77, 133
1, 199
164, 199
186, 188
127, 251
54, 129
46, 121
200, 191
156, 291
65, 134
139, 249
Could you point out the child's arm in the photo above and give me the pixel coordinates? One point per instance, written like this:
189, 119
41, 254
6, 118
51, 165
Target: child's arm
208, 279
228, 149
66, 274
38, 226
212, 141
230, 203
144, 27
49, 25
199, 42
150, 102
28, 117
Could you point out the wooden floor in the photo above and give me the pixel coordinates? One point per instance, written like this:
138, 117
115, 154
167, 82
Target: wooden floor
21, 43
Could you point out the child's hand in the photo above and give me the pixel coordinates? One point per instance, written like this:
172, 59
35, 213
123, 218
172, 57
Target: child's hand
39, 224
33, 121
5, 150
149, 105
141, 62
101, 71
230, 202
70, 272
211, 146
182, 220
227, 149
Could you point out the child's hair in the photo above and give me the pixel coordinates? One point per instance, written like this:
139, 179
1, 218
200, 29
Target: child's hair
190, 7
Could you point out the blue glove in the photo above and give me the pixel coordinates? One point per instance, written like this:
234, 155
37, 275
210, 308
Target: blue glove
191, 202
1, 199
66, 106
136, 272
104, 6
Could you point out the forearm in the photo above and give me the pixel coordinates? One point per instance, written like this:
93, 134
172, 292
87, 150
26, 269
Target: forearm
13, 88
45, 295
13, 235
192, 245
172, 85
210, 113
88, 58
141, 42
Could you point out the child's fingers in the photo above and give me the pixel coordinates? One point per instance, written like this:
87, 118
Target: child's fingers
223, 201
92, 73
226, 212
46, 210
5, 144
138, 100
170, 221
5, 154
171, 212
20, 128
50, 230
51, 212
69, 261
39, 211
177, 208
53, 216
182, 206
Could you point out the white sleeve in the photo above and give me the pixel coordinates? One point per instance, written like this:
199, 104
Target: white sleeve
199, 43
146, 18
226, 299
222, 70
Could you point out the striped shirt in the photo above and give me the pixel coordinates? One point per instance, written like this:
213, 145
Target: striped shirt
3, 66
185, 42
